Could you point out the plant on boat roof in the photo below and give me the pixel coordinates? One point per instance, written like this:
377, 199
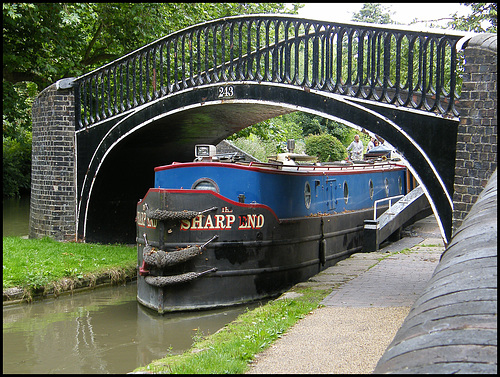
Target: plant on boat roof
326, 147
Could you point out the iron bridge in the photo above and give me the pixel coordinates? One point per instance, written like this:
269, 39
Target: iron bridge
203, 83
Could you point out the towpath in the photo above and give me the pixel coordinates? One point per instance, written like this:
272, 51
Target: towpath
372, 294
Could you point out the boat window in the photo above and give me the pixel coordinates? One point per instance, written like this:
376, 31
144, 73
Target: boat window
307, 195
371, 189
386, 182
346, 192
400, 185
205, 184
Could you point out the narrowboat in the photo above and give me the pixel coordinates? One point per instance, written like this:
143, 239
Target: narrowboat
216, 232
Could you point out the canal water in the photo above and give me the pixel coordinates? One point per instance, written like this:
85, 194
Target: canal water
99, 331
16, 213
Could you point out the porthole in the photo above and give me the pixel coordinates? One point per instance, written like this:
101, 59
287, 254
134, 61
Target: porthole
205, 184
371, 189
307, 195
386, 183
346, 192
400, 185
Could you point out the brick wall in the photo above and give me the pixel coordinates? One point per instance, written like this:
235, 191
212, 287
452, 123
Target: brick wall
53, 186
476, 157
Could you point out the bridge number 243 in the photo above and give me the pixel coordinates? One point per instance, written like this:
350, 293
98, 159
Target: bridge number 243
226, 91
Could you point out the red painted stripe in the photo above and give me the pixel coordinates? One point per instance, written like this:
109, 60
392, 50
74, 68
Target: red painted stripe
231, 202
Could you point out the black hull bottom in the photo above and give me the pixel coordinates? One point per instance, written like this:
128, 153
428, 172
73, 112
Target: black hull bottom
251, 264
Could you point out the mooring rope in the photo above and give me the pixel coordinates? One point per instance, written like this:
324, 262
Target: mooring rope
161, 259
160, 214
162, 281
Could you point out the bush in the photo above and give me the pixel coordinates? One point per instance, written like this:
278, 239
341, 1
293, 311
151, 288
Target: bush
16, 165
326, 147
256, 147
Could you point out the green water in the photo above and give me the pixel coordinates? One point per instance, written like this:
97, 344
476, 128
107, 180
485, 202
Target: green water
101, 331
16, 212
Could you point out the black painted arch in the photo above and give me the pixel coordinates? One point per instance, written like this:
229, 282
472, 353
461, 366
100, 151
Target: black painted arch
167, 130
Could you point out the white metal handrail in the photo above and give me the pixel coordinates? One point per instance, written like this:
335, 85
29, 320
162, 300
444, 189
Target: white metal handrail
390, 198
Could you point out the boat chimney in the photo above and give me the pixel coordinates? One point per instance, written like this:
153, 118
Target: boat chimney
290, 145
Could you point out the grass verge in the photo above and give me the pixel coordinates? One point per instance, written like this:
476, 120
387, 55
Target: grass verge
231, 349
42, 265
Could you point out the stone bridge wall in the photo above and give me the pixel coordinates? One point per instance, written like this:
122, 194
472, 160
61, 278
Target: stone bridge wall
476, 157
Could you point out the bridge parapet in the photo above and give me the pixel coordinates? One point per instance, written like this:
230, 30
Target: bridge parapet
452, 326
385, 64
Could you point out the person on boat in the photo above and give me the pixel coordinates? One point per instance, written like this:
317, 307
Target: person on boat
357, 148
370, 145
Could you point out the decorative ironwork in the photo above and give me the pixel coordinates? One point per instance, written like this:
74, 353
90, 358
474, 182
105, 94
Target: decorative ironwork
402, 67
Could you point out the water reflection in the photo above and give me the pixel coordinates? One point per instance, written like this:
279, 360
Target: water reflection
102, 331
16, 213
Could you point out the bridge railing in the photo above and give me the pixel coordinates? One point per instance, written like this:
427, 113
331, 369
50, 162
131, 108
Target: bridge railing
402, 67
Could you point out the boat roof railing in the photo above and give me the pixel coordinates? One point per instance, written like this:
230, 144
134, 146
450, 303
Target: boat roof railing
335, 166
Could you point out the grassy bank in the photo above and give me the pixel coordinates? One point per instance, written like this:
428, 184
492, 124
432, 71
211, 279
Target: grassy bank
40, 265
231, 349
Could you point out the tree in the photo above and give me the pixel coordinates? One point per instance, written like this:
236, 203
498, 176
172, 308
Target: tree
44, 42
482, 15
374, 13
326, 147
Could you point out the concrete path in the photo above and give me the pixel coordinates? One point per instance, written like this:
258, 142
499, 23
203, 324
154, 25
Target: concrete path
372, 294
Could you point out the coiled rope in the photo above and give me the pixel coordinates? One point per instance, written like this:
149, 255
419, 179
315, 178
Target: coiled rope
160, 214
161, 259
162, 281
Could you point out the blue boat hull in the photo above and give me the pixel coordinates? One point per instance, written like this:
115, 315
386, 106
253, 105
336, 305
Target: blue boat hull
251, 231
332, 189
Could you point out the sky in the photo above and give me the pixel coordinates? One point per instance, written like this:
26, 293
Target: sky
403, 12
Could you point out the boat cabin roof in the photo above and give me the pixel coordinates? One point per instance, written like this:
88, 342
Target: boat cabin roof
292, 158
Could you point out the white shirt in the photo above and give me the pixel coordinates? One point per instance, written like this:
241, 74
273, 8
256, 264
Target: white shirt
370, 145
357, 148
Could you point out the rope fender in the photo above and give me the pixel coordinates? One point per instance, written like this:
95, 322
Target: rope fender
160, 214
162, 281
161, 259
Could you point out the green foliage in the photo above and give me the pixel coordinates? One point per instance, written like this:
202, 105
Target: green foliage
314, 124
255, 146
482, 13
269, 137
16, 164
278, 129
374, 13
17, 101
326, 147
44, 42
